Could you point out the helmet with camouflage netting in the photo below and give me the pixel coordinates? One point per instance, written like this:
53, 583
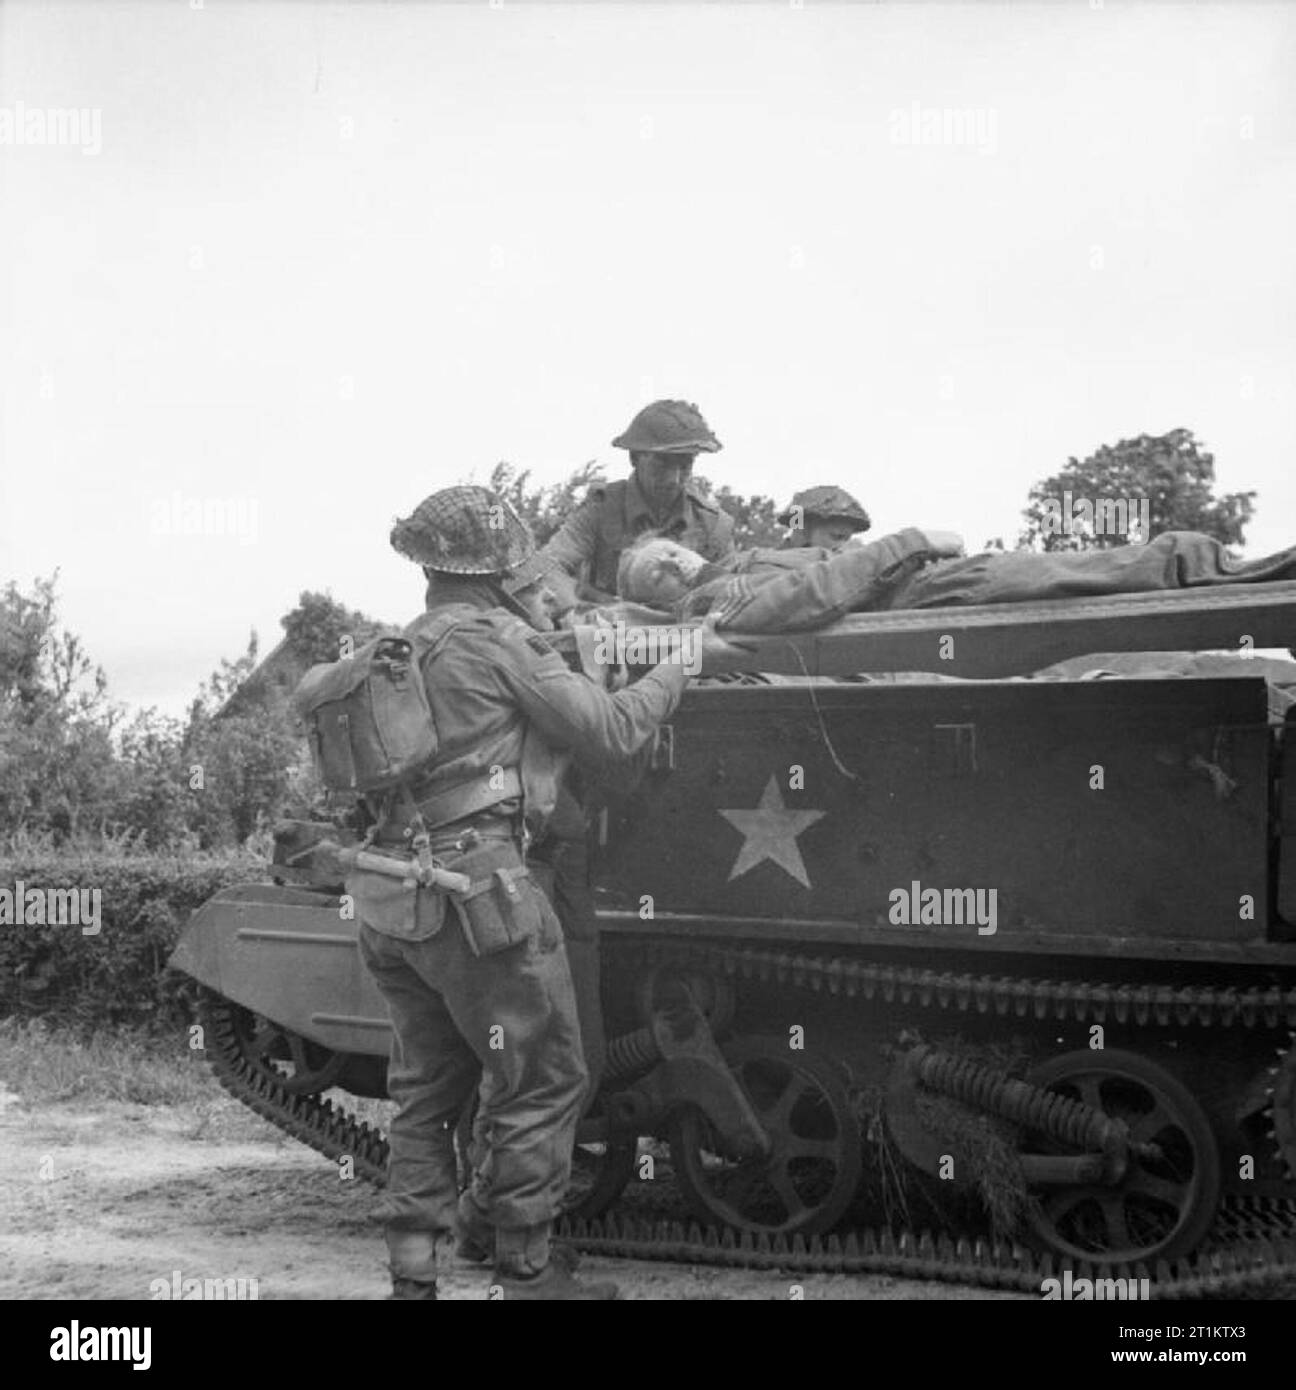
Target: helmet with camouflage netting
464, 530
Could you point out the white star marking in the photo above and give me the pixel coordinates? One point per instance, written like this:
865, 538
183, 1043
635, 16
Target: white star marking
770, 832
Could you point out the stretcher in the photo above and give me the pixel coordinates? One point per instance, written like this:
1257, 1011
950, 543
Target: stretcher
1010, 639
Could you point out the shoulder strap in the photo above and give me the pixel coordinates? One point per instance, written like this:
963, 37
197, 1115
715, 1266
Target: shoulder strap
429, 630
425, 634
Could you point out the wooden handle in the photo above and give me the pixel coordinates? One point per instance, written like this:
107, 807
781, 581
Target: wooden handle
407, 870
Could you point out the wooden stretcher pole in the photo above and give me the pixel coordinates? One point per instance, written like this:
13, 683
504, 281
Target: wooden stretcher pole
407, 870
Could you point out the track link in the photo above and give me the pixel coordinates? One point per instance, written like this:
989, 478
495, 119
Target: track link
1003, 996
321, 1124
1246, 1268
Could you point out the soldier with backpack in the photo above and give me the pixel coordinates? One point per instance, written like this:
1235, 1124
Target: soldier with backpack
464, 947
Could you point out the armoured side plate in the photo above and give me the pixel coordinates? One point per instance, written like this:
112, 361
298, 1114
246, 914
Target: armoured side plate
1285, 926
292, 956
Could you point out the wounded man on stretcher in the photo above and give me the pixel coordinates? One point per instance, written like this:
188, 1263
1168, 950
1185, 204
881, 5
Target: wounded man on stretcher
780, 591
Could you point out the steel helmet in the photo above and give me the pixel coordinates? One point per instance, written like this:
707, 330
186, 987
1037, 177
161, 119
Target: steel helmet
536, 567
464, 530
669, 427
827, 504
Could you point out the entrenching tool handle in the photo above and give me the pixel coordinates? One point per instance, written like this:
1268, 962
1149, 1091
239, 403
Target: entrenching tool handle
408, 870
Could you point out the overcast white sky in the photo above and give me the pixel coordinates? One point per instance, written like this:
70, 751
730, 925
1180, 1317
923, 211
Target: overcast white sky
330, 258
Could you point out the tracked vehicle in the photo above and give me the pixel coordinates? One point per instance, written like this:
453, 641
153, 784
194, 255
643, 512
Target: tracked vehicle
883, 946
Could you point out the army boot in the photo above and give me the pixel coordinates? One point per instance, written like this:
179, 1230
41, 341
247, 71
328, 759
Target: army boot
413, 1264
475, 1239
410, 1290
526, 1268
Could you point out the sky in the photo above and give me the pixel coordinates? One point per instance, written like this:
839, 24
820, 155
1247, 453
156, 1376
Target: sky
296, 266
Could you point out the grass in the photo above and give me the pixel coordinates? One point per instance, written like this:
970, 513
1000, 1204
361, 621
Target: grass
43, 1064
47, 1064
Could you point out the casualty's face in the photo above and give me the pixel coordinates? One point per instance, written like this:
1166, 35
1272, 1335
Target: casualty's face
666, 573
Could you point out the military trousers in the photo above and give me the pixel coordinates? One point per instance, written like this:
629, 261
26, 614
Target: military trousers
561, 866
505, 1024
1173, 560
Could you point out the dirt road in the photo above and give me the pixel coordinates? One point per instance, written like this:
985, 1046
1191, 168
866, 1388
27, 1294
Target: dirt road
105, 1198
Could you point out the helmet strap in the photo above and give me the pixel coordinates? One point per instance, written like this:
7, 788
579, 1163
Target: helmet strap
507, 600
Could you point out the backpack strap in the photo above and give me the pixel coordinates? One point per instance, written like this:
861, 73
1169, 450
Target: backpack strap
429, 630
425, 634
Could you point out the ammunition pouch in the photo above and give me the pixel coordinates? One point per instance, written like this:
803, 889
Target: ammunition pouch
504, 906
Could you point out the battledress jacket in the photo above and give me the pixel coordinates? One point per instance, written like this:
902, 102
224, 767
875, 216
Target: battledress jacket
794, 591
614, 515
501, 697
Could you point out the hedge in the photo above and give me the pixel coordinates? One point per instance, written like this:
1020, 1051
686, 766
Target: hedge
117, 976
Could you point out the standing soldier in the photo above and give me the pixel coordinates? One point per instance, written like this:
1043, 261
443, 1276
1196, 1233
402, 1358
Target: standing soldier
560, 851
823, 516
663, 441
477, 983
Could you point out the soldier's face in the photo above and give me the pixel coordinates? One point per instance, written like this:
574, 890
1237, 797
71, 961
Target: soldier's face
671, 574
560, 594
661, 477
539, 603
829, 534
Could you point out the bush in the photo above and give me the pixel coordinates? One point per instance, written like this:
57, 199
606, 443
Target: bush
119, 975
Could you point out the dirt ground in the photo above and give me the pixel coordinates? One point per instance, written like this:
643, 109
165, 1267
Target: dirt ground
104, 1197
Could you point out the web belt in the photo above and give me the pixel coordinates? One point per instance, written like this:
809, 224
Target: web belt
468, 798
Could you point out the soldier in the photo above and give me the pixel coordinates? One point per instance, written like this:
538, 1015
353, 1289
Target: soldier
477, 984
826, 517
559, 851
663, 440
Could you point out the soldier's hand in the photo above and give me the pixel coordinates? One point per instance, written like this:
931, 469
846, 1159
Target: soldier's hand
719, 653
944, 543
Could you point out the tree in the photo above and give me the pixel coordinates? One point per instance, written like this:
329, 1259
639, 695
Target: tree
152, 802
238, 753
544, 509
57, 765
72, 764
1171, 472
242, 761
315, 629
240, 769
754, 523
